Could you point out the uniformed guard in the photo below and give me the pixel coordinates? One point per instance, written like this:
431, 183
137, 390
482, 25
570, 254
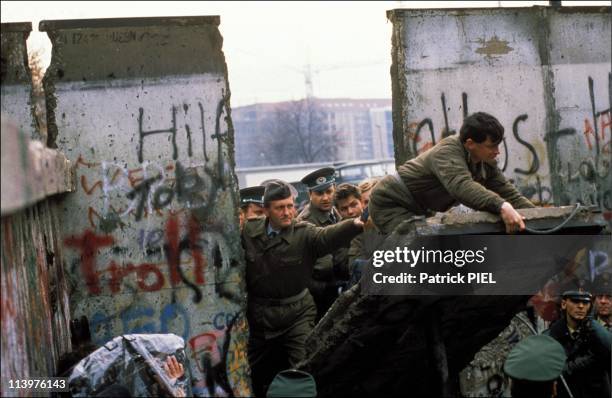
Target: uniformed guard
533, 366
251, 203
602, 289
587, 345
330, 270
294, 192
458, 169
280, 254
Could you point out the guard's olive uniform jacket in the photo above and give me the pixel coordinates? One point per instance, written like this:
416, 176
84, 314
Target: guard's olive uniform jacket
587, 369
280, 267
438, 179
338, 260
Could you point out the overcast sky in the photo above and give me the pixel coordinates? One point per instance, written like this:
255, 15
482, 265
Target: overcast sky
268, 44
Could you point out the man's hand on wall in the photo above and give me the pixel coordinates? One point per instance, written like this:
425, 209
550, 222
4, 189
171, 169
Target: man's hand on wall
513, 220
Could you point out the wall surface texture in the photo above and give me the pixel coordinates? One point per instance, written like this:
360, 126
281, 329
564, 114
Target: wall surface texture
141, 107
35, 309
543, 72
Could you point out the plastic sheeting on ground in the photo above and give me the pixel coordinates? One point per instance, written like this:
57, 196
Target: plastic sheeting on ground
134, 361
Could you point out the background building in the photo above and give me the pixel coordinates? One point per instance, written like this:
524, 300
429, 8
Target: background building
312, 130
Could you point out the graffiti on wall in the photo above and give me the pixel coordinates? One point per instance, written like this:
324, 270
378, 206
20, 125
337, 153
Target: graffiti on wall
155, 253
586, 179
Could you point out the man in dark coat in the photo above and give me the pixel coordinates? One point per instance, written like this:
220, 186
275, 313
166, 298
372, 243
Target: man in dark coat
280, 254
587, 345
330, 269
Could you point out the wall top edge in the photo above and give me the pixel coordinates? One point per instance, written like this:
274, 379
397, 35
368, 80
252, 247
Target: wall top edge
63, 24
400, 12
16, 27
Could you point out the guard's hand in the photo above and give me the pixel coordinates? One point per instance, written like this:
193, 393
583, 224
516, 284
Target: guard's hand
513, 220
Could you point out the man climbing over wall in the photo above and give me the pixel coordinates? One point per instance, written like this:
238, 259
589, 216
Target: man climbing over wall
280, 255
459, 169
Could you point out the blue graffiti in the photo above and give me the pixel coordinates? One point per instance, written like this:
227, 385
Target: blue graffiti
140, 319
223, 319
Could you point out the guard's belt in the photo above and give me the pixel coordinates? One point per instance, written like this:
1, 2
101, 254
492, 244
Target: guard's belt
279, 301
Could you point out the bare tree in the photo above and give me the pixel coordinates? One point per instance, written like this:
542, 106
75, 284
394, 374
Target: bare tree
298, 133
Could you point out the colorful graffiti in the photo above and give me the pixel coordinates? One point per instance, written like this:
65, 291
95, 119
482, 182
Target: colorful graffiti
154, 253
585, 179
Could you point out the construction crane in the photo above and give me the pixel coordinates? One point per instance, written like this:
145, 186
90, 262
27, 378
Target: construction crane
308, 72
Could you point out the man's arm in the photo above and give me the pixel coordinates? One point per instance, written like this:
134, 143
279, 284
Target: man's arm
354, 251
326, 240
450, 168
498, 183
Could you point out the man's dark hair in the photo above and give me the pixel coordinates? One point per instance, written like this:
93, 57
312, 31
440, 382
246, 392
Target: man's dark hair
345, 190
531, 389
480, 125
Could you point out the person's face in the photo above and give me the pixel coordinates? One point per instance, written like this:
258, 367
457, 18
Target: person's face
575, 309
604, 304
280, 213
323, 200
483, 151
253, 211
365, 198
349, 207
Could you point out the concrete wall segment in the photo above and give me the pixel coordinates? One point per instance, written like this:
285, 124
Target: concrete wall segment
34, 289
543, 72
141, 106
30, 171
114, 39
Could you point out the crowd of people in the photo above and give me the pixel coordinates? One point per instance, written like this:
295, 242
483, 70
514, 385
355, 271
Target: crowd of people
299, 262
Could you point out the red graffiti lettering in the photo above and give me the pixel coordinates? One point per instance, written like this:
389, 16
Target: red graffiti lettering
174, 254
143, 271
588, 129
606, 122
205, 343
117, 274
196, 253
88, 244
88, 190
81, 161
134, 180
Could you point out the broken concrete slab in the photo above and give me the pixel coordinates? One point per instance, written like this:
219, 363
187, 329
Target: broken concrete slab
30, 171
391, 345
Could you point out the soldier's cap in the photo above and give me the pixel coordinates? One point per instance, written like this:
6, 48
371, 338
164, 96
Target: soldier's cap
276, 190
252, 195
577, 295
294, 191
320, 180
536, 358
